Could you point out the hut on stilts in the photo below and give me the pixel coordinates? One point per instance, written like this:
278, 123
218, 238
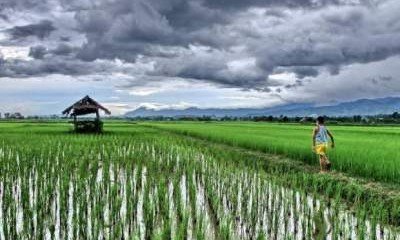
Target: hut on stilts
83, 107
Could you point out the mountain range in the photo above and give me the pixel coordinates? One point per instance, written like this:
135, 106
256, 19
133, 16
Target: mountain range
359, 107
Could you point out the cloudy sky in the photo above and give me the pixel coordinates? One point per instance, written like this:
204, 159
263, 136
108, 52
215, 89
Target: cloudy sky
204, 53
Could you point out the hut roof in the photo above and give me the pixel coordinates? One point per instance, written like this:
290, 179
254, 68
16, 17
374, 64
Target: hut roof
85, 106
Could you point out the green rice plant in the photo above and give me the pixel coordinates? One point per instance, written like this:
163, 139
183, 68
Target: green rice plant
364, 151
141, 184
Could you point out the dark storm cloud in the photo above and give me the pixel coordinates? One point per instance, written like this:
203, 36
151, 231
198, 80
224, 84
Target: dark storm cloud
41, 30
23, 4
46, 66
63, 49
122, 30
37, 52
302, 72
133, 26
219, 73
298, 83
240, 4
3, 16
20, 68
65, 39
63, 64
304, 37
331, 39
2, 60
331, 54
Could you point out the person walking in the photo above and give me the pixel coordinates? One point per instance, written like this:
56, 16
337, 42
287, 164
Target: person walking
321, 142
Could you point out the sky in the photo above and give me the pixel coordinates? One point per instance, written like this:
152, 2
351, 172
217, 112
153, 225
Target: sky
196, 53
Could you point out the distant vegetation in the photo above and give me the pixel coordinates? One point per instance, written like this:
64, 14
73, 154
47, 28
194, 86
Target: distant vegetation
356, 119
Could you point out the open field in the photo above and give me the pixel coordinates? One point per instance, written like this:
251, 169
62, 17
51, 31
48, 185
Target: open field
138, 182
370, 152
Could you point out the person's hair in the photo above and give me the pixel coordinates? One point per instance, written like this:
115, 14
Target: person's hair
321, 119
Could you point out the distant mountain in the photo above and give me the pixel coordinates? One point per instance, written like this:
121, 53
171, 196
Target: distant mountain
359, 107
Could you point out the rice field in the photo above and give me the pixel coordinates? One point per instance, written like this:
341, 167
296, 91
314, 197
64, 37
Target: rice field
134, 182
370, 152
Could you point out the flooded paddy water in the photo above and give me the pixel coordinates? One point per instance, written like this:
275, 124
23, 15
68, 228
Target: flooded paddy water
152, 190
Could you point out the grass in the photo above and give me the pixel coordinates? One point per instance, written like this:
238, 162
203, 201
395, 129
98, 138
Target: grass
139, 182
370, 152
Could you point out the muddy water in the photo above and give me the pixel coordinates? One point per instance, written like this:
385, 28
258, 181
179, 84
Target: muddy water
197, 199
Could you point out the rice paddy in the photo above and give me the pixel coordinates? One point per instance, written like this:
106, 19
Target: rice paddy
370, 152
135, 182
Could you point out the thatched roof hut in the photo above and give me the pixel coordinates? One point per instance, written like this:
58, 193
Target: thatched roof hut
85, 106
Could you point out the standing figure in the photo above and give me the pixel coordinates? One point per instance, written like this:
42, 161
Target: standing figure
320, 143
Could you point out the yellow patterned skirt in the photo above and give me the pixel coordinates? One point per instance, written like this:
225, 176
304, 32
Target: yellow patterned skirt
321, 149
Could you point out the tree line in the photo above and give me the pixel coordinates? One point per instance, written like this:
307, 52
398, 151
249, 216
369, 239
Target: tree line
355, 119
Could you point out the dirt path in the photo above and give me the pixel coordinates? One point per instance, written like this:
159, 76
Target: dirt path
389, 189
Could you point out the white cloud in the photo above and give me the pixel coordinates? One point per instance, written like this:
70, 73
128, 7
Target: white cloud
145, 91
160, 106
370, 80
15, 52
282, 79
